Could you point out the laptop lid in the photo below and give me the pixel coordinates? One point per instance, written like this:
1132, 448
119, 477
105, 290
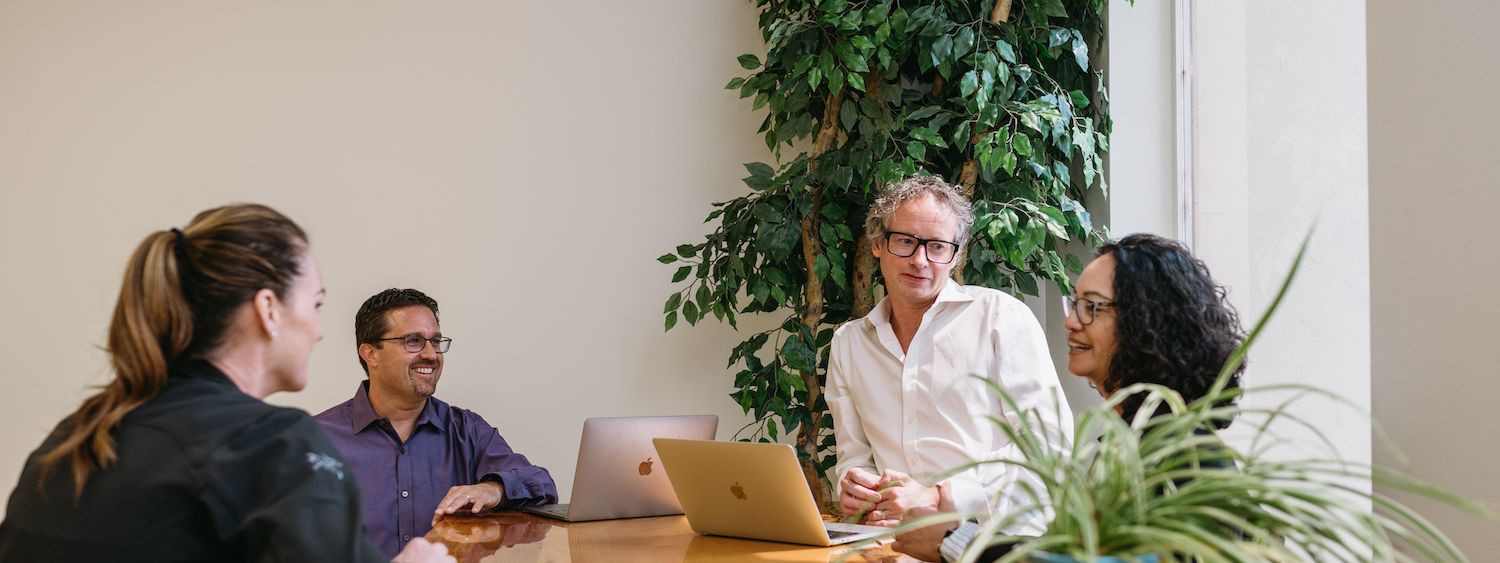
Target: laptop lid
746, 490
618, 474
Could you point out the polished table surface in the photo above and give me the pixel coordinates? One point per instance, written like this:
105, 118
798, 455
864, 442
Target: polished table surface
510, 536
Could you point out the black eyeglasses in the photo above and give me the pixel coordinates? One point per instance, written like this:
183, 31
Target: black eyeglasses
414, 343
905, 244
1086, 309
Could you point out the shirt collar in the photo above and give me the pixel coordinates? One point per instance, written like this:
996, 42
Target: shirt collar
199, 368
362, 414
952, 292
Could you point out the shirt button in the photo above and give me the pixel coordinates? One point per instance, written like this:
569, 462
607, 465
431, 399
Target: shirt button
404, 494
405, 538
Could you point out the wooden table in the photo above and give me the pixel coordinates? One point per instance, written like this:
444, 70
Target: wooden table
510, 536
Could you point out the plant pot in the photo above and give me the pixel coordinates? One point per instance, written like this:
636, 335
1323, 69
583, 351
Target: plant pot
1044, 557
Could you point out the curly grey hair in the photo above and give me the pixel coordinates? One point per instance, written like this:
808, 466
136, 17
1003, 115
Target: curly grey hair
879, 217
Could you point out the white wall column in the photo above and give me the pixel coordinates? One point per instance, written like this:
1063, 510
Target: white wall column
1280, 143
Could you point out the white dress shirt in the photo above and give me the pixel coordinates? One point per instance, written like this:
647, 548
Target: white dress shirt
922, 412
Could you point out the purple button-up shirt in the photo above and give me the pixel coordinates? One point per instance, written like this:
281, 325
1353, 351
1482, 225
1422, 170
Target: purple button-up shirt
403, 483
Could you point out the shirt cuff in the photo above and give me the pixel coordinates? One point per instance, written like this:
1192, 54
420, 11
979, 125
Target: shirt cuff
968, 497
953, 546
513, 490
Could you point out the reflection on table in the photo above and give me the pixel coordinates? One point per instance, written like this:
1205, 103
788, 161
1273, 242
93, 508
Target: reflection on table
510, 536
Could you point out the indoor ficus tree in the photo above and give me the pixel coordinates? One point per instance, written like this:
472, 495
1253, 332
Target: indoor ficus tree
1001, 98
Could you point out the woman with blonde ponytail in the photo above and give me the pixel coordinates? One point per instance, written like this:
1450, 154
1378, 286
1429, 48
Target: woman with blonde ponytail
178, 458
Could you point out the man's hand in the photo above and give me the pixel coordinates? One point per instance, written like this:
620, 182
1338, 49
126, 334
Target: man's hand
477, 498
898, 494
420, 550
924, 543
858, 494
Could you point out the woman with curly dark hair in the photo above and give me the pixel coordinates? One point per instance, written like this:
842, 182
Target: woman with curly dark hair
1147, 311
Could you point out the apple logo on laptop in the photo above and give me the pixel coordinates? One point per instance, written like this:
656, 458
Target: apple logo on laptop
738, 491
646, 467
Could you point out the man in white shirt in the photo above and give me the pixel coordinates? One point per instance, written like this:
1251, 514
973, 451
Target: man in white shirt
901, 385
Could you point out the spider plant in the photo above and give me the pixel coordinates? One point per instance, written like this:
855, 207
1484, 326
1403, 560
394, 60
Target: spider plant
1162, 485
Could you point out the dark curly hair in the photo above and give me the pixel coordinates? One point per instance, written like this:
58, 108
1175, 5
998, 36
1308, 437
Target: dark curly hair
370, 322
1174, 325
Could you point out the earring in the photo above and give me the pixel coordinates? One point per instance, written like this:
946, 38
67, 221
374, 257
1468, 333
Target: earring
273, 334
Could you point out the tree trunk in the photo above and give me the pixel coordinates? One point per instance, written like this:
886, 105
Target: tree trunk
968, 179
812, 311
864, 278
1001, 13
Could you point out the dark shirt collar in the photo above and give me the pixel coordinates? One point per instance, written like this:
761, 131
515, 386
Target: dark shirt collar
362, 413
198, 368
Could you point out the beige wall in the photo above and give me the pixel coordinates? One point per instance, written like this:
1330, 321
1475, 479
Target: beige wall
523, 162
1434, 77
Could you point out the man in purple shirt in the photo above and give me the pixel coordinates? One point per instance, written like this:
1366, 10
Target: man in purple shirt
415, 457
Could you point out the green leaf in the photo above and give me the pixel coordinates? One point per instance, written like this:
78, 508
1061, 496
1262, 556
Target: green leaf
672, 303
768, 213
690, 312
928, 136
833, 211
923, 112
749, 62
1008, 163
820, 267
1022, 144
798, 356
851, 60
734, 83
1080, 101
917, 150
682, 274
1080, 51
760, 169
704, 299
1026, 283
1007, 52
942, 48
686, 250
667, 258
671, 320
844, 177
856, 81
968, 84
1050, 8
1058, 36
963, 42
847, 115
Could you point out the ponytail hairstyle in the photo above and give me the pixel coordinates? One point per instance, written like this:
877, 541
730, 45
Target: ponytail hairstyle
1174, 324
179, 294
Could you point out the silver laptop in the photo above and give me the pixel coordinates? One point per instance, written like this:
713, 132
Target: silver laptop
618, 474
749, 490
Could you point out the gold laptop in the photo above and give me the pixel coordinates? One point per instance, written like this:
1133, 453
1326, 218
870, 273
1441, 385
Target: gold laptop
749, 490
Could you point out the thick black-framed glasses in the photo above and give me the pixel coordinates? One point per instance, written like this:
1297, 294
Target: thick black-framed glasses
414, 343
905, 244
1086, 309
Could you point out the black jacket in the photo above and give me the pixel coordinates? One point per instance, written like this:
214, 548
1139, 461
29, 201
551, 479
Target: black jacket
205, 473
